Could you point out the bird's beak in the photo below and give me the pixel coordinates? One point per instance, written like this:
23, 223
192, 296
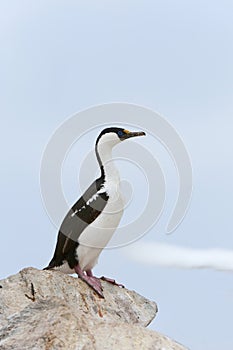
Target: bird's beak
134, 134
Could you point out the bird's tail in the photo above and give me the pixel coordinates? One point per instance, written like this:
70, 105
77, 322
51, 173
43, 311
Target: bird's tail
51, 265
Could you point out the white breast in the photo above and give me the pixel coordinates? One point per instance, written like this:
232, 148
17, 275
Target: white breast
97, 235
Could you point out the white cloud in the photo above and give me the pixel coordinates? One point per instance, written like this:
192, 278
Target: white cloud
165, 255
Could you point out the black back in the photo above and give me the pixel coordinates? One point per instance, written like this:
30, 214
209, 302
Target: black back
74, 223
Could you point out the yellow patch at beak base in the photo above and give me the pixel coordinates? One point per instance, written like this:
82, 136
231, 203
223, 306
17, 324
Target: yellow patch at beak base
126, 131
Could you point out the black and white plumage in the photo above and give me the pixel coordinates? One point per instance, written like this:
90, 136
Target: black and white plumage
93, 219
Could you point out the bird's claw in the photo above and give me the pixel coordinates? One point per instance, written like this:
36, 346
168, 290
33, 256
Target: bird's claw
94, 283
112, 281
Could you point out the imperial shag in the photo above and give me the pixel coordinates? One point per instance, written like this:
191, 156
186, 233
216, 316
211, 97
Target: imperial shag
91, 222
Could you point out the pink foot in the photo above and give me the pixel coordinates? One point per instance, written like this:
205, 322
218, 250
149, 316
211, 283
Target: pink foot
92, 281
112, 281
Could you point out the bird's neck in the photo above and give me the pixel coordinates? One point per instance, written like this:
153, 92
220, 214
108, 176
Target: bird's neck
107, 166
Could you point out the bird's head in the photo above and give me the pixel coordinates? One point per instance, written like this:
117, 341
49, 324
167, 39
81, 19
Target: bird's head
112, 136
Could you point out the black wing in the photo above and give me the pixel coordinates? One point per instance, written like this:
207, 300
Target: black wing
82, 213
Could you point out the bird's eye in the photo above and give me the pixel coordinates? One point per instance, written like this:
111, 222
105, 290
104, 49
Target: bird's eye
120, 133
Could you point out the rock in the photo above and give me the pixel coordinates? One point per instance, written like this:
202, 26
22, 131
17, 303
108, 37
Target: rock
48, 310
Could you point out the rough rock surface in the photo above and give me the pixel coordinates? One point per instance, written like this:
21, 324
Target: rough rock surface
47, 310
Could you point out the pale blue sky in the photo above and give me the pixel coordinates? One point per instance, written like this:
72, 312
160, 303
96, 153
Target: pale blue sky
175, 57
